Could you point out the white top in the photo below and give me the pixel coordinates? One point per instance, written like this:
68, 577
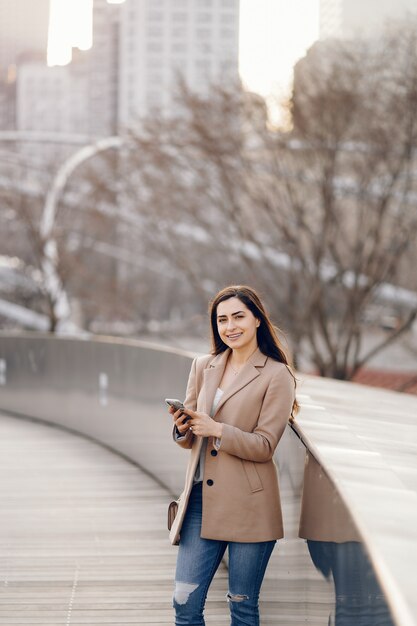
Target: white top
217, 397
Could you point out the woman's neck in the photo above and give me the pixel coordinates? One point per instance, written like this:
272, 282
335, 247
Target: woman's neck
239, 356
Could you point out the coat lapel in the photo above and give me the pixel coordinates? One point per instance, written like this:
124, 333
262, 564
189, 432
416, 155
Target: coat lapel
214, 374
212, 377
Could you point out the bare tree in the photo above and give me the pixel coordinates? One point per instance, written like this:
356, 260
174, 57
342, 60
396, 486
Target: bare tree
20, 210
320, 217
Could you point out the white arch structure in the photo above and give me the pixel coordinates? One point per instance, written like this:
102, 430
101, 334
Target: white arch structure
53, 283
63, 174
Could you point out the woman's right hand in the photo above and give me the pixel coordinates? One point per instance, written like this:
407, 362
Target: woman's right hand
179, 417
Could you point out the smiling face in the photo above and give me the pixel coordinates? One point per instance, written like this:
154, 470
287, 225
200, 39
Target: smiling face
236, 324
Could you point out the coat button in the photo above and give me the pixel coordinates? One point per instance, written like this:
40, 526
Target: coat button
213, 453
210, 482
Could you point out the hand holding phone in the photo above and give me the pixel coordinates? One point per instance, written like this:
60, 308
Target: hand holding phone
177, 405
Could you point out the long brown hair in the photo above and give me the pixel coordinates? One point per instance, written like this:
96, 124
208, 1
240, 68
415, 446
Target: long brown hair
267, 334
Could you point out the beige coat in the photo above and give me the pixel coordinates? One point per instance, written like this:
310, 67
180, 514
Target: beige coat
241, 499
324, 517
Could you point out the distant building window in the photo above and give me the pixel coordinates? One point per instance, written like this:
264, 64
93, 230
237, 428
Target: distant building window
154, 79
178, 63
203, 33
201, 65
179, 47
204, 17
179, 17
153, 97
155, 58
178, 32
227, 33
155, 16
228, 18
227, 66
155, 31
177, 75
154, 46
204, 47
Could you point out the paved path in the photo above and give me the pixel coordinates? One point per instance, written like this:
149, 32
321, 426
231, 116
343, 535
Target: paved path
83, 541
82, 535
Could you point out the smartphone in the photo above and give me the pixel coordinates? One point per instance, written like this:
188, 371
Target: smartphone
177, 404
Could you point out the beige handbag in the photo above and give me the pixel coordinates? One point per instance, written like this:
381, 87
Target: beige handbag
172, 512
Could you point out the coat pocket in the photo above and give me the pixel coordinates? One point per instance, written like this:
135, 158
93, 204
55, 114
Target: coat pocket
172, 513
252, 475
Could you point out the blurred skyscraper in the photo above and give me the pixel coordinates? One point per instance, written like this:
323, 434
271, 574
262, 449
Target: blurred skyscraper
53, 99
23, 36
141, 49
23, 28
352, 18
104, 69
161, 40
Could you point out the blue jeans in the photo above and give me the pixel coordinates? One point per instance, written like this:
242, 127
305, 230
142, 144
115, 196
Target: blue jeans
197, 562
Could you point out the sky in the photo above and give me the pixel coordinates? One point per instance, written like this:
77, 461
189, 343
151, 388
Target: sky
274, 34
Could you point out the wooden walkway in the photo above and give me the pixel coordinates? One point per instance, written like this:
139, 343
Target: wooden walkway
82, 535
83, 540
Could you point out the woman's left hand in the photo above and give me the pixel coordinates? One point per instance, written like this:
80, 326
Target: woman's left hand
203, 425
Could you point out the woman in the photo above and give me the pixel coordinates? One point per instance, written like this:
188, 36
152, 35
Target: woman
238, 402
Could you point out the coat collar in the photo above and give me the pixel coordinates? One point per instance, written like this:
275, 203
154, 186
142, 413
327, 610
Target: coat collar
214, 373
258, 359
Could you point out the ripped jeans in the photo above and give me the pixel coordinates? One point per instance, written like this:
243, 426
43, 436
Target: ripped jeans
197, 562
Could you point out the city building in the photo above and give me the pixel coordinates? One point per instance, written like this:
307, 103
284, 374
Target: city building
51, 99
41, 94
104, 69
359, 18
7, 105
23, 28
23, 33
141, 50
162, 41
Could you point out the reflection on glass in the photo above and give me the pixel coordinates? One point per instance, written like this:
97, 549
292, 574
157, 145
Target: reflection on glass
337, 552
